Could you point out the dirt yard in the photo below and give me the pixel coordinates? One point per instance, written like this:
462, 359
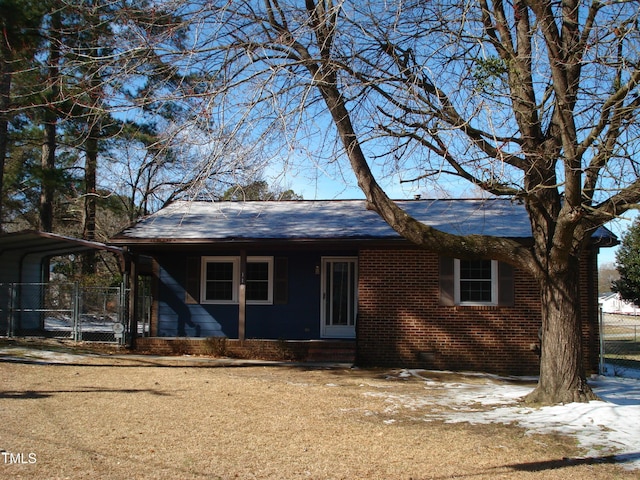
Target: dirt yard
132, 417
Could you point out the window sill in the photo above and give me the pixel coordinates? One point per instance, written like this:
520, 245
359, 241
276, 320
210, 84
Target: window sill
213, 302
488, 306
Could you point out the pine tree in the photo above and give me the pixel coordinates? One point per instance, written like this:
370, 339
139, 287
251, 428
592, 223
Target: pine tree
628, 265
19, 21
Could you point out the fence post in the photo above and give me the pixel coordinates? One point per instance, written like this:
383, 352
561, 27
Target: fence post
132, 304
76, 312
122, 310
602, 352
10, 319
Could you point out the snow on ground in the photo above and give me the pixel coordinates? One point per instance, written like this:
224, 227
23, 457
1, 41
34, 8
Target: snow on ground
37, 356
618, 371
603, 428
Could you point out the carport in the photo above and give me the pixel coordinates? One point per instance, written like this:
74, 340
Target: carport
24, 261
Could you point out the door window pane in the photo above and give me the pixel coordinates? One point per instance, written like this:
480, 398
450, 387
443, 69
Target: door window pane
340, 288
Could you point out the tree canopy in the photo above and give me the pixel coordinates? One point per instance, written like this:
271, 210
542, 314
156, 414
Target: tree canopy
258, 190
92, 100
534, 100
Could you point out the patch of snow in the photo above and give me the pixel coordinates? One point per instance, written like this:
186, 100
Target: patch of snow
56, 357
602, 428
37, 356
618, 371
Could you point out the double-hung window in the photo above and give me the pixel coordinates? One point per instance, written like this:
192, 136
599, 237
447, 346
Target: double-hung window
259, 280
221, 280
476, 282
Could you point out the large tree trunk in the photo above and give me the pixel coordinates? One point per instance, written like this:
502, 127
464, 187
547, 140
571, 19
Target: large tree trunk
562, 378
48, 170
5, 88
89, 220
48, 159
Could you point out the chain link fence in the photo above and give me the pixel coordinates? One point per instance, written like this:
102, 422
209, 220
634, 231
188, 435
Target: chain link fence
620, 337
64, 310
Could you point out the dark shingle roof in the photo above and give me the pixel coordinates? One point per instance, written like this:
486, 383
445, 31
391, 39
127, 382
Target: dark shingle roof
322, 220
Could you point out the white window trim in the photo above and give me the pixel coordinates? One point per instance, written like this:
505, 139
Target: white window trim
338, 331
236, 279
269, 262
494, 284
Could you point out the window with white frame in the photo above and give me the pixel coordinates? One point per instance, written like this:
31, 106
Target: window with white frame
221, 280
259, 280
476, 282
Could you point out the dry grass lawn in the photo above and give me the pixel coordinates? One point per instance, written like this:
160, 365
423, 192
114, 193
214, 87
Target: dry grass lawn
131, 417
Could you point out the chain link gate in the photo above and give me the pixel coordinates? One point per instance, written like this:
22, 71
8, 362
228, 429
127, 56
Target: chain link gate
620, 343
64, 310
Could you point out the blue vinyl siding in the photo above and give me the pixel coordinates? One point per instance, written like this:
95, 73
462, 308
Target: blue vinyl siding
176, 318
298, 319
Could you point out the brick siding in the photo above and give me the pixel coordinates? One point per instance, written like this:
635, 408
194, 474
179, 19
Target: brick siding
401, 321
336, 351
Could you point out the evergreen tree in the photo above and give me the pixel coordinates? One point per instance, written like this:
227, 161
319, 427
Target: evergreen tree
628, 264
19, 23
91, 66
258, 190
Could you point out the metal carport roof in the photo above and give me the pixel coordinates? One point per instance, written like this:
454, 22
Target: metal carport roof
22, 253
48, 244
22, 261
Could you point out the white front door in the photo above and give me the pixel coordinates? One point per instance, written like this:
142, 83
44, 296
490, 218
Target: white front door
339, 297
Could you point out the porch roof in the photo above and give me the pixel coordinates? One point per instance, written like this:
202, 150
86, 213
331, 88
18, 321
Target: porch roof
198, 221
